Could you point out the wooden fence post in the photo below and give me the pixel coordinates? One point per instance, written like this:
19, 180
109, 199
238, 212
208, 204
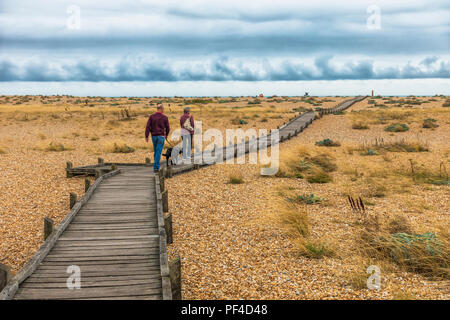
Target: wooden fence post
165, 200
161, 182
175, 277
48, 227
73, 200
87, 184
5, 275
168, 227
169, 172
69, 166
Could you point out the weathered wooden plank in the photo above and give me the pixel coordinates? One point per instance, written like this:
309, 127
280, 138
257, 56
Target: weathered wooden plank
115, 226
96, 292
143, 297
110, 238
94, 243
102, 252
122, 277
111, 259
102, 233
100, 270
93, 283
112, 219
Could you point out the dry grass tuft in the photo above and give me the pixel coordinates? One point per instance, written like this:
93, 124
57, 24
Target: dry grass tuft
316, 249
295, 221
118, 147
427, 254
235, 178
302, 162
360, 126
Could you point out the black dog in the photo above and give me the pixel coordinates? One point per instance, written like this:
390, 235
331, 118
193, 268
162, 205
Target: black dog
168, 155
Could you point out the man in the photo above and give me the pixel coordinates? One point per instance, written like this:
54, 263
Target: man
158, 126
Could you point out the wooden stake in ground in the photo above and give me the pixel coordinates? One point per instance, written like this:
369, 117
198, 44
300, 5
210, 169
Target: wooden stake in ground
175, 277
48, 227
5, 274
72, 199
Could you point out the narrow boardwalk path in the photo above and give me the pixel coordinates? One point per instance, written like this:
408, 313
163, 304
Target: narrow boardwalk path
116, 234
113, 239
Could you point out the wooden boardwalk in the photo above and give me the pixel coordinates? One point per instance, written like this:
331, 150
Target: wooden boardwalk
115, 241
116, 234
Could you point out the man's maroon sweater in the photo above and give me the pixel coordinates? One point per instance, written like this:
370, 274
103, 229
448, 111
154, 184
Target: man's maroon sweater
157, 125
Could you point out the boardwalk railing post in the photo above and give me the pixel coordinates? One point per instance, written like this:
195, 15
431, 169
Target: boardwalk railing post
69, 167
175, 277
5, 274
161, 181
48, 227
87, 184
165, 200
168, 227
73, 200
169, 172
100, 161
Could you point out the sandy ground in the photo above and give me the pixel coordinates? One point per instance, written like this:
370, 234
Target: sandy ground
232, 248
32, 180
227, 235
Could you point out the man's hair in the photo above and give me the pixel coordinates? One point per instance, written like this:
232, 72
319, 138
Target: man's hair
186, 110
159, 106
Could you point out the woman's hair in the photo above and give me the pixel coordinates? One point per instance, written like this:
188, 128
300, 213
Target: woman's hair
187, 109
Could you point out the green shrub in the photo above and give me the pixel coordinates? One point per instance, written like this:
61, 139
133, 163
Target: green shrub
308, 199
369, 152
429, 123
327, 143
397, 127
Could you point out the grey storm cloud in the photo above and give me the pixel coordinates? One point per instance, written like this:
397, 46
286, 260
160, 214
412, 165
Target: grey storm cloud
220, 69
212, 40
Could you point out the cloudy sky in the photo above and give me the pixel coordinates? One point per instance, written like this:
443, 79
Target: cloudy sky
209, 47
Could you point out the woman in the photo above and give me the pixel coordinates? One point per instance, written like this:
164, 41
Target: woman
187, 130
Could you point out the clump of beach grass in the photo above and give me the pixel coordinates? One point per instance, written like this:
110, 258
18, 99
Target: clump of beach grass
118, 147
